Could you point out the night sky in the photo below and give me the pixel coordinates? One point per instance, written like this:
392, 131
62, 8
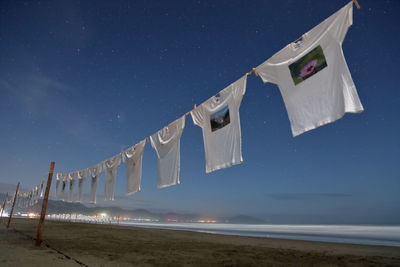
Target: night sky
82, 80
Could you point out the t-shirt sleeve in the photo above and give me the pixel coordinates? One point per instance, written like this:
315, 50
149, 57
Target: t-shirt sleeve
239, 89
341, 21
154, 142
267, 72
198, 115
181, 123
140, 146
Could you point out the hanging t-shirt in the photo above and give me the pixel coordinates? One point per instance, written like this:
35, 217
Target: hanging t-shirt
19, 200
110, 166
71, 178
63, 186
133, 161
32, 202
36, 195
42, 189
29, 200
94, 173
81, 175
166, 143
58, 181
219, 119
313, 76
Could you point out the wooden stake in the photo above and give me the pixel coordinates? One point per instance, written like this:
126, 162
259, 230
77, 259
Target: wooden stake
44, 206
4, 205
357, 4
12, 208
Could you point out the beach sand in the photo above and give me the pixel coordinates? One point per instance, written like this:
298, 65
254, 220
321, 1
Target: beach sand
74, 244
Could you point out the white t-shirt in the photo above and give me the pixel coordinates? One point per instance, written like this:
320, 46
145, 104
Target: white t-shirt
110, 166
94, 173
30, 198
36, 194
81, 175
42, 189
133, 161
219, 119
63, 185
166, 142
59, 178
313, 76
71, 178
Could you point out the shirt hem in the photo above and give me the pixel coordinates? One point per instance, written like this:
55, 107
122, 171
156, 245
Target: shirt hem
167, 185
327, 121
223, 166
132, 192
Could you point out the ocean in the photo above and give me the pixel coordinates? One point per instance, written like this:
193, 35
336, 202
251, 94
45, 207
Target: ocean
383, 235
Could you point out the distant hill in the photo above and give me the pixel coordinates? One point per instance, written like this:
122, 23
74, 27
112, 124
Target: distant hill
61, 207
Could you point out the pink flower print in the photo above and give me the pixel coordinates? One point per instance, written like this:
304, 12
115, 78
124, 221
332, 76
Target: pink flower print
308, 69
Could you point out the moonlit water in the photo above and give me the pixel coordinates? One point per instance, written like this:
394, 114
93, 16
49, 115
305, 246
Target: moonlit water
354, 234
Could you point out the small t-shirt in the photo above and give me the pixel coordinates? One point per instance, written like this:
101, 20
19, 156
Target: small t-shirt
110, 166
36, 194
313, 76
94, 173
71, 178
81, 175
219, 119
133, 161
42, 188
58, 180
166, 143
63, 186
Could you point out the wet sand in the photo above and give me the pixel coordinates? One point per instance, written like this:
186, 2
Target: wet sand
77, 244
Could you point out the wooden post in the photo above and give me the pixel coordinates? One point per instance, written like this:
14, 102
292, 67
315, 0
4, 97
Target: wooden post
4, 205
44, 206
12, 208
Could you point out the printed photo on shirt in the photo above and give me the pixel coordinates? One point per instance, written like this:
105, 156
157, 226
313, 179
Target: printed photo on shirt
308, 65
220, 119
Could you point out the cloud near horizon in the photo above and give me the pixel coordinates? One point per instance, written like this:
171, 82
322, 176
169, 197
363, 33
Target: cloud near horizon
307, 196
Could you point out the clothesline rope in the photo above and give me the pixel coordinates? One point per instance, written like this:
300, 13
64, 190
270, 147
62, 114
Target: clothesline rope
32, 195
252, 71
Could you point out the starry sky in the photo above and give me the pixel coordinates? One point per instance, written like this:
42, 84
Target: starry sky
82, 80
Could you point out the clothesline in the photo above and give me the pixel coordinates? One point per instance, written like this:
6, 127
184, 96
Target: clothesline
253, 71
220, 120
219, 115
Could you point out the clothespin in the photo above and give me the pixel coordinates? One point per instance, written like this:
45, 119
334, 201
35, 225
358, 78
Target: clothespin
194, 108
356, 4
253, 70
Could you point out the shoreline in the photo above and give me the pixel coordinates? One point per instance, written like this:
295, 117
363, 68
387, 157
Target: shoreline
378, 235
110, 245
